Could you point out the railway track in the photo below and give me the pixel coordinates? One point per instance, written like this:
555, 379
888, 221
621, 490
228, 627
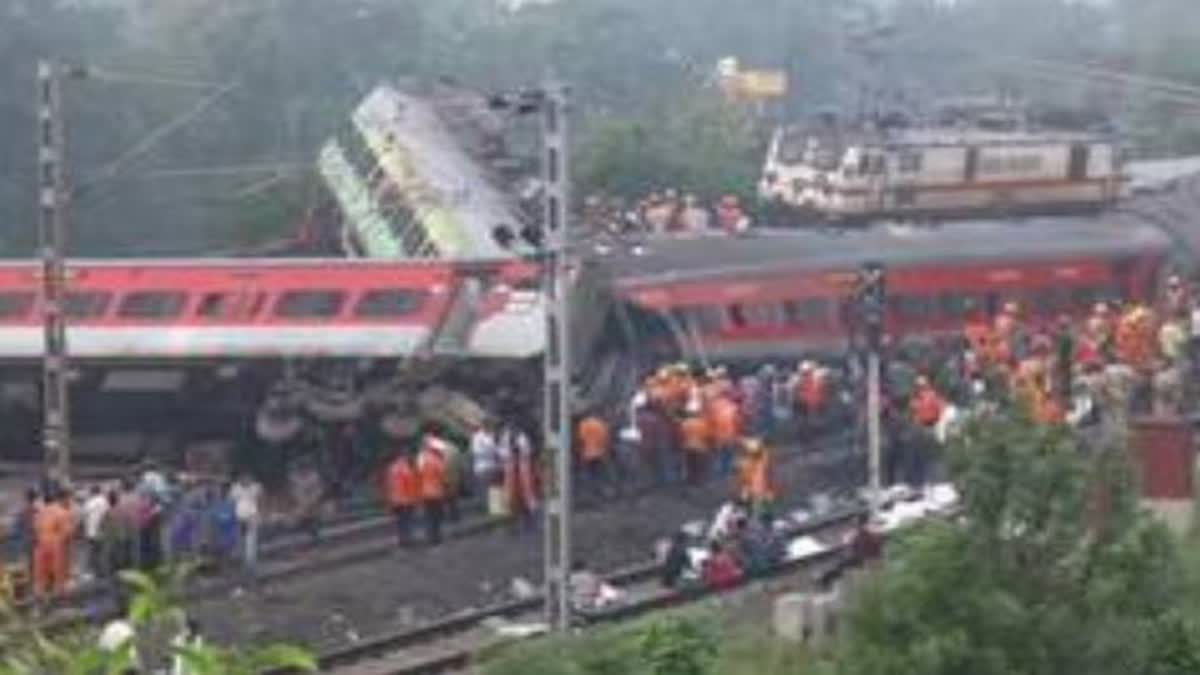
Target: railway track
408, 589
370, 540
816, 544
453, 643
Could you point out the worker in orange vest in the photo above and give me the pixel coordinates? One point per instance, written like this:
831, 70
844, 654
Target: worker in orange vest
810, 394
754, 474
592, 438
696, 440
925, 410
1046, 408
725, 424
52, 531
431, 472
404, 495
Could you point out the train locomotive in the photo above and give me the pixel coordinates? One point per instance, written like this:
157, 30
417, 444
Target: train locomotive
939, 172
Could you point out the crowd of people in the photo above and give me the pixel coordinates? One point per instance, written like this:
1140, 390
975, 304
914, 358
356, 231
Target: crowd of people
132, 524
684, 426
665, 213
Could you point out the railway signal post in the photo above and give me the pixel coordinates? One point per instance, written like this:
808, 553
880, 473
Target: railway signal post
56, 429
873, 304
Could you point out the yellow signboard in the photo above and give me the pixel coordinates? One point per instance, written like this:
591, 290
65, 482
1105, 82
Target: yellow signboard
762, 83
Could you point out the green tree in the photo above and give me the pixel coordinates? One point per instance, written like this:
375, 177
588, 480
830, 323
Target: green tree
678, 647
1052, 569
691, 140
157, 616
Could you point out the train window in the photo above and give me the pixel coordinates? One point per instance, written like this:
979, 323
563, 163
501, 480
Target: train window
708, 319
912, 307
15, 305
86, 304
911, 162
737, 316
764, 315
214, 305
808, 311
905, 196
389, 302
309, 304
958, 305
151, 304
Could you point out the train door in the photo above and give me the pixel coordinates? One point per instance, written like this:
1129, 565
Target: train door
971, 165
876, 181
1077, 163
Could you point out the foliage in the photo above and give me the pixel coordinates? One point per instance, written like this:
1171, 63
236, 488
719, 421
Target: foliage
692, 141
156, 617
679, 645
639, 70
1053, 569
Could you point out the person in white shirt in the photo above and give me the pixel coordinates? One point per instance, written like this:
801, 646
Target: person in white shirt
246, 494
153, 483
485, 460
729, 514
95, 507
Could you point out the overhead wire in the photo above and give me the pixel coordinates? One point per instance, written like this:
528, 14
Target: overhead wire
113, 169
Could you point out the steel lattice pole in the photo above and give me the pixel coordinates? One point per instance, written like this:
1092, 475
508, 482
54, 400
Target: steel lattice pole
56, 432
557, 418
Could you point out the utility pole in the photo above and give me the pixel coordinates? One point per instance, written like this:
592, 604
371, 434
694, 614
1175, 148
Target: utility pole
553, 248
873, 303
52, 196
558, 394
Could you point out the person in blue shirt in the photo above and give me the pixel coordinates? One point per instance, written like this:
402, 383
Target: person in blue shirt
21, 531
222, 515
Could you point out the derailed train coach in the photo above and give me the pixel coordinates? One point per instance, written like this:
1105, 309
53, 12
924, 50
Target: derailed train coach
188, 349
202, 347
775, 295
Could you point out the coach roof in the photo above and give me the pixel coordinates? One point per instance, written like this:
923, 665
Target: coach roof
681, 258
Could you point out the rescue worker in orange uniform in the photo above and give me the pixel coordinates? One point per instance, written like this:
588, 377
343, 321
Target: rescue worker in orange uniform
725, 424
1047, 408
810, 395
431, 472
1002, 352
52, 531
925, 410
926, 405
754, 475
1135, 340
696, 440
593, 439
404, 495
